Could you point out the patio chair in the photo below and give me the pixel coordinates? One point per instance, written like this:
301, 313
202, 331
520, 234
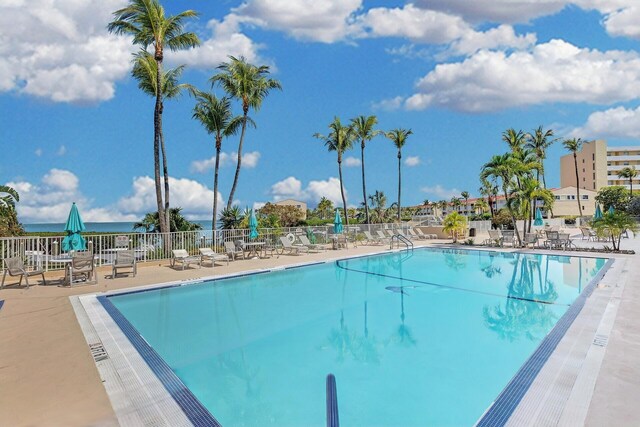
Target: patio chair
182, 256
312, 246
415, 235
233, 251
383, 238
531, 239
372, 240
553, 240
508, 236
495, 238
209, 254
82, 264
15, 267
291, 248
124, 260
588, 234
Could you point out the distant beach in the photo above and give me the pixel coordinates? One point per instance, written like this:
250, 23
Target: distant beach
99, 227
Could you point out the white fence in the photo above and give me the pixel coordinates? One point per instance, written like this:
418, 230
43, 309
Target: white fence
42, 252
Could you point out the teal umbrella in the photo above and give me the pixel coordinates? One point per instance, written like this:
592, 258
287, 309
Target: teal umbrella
311, 236
598, 213
538, 220
337, 223
253, 226
74, 241
611, 210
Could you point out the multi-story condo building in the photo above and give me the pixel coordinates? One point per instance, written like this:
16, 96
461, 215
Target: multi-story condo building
598, 165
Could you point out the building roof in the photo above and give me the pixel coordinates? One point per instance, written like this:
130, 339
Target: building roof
291, 200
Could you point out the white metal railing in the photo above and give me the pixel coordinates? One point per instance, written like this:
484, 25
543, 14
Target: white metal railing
41, 252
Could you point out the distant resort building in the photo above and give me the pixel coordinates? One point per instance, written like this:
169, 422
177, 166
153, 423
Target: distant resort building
598, 165
296, 203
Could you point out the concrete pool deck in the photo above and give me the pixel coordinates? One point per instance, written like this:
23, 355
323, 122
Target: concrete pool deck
45, 362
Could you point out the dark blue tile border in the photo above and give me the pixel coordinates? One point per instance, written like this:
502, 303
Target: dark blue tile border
195, 411
507, 401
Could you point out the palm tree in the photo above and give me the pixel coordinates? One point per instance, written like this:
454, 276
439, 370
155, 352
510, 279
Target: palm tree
455, 224
465, 196
9, 224
455, 203
514, 139
379, 203
364, 131
504, 167
145, 71
629, 173
425, 202
340, 139
231, 217
399, 138
325, 207
490, 191
574, 145
538, 141
217, 118
145, 20
151, 222
248, 84
8, 197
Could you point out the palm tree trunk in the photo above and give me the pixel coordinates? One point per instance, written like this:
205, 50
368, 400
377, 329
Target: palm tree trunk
239, 164
575, 161
344, 200
399, 181
215, 185
157, 129
513, 217
364, 185
165, 170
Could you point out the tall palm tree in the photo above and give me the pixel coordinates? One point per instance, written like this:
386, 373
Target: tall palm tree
325, 207
340, 139
146, 21
425, 202
539, 141
378, 204
490, 191
250, 85
399, 139
629, 173
217, 118
364, 131
514, 139
505, 167
8, 196
145, 71
465, 195
574, 145
455, 203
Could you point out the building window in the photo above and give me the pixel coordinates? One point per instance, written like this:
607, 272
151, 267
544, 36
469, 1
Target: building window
585, 197
593, 166
594, 175
557, 197
608, 163
582, 160
626, 153
593, 156
626, 163
584, 179
594, 185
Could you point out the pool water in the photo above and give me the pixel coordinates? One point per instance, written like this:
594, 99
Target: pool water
429, 337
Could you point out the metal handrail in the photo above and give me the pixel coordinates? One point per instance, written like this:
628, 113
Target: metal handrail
400, 238
332, 402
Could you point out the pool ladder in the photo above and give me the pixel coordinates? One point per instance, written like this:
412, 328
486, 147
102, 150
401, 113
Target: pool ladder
332, 402
399, 238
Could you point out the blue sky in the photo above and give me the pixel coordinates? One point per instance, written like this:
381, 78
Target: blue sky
458, 73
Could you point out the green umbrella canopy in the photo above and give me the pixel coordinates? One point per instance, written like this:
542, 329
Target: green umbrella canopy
337, 223
538, 220
74, 241
598, 213
611, 210
310, 235
253, 225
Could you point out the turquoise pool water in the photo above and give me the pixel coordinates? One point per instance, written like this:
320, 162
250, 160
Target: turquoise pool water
413, 339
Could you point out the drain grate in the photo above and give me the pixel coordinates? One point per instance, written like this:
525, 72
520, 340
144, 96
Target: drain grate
601, 340
98, 352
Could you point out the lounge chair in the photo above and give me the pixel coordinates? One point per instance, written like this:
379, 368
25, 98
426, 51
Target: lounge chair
209, 254
414, 235
233, 251
372, 240
312, 246
124, 259
15, 267
291, 248
182, 256
495, 238
82, 264
425, 235
383, 237
588, 234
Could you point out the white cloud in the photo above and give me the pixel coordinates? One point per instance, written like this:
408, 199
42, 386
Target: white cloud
388, 104
258, 205
249, 161
501, 37
512, 11
324, 21
616, 122
412, 161
38, 152
291, 188
556, 71
352, 161
440, 192
226, 39
46, 44
62, 180
62, 150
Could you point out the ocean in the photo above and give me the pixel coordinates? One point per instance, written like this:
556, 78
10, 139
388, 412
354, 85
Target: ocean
99, 227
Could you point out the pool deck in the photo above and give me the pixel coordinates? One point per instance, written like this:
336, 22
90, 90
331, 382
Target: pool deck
45, 362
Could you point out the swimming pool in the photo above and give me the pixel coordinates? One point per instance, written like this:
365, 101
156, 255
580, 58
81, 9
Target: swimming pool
428, 337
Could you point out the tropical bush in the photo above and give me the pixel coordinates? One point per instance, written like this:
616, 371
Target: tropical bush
502, 219
456, 224
634, 206
616, 196
151, 222
283, 216
9, 224
614, 225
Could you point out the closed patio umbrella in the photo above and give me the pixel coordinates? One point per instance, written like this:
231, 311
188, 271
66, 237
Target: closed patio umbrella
253, 226
74, 241
337, 223
598, 213
538, 220
611, 210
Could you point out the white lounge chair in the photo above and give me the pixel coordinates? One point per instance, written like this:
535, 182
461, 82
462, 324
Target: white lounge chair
383, 237
415, 235
182, 256
372, 240
288, 246
232, 251
15, 267
312, 246
126, 260
209, 254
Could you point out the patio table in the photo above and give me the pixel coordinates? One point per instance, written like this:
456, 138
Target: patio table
254, 248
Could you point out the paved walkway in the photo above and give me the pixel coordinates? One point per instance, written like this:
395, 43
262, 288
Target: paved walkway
48, 377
